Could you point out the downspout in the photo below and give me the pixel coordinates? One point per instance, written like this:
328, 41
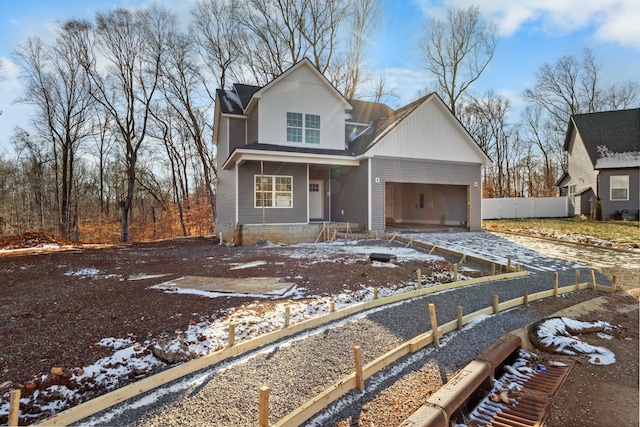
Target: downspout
369, 194
262, 189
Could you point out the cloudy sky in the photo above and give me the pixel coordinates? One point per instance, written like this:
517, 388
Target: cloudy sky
532, 32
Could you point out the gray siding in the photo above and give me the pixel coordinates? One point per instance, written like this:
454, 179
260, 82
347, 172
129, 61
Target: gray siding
226, 186
349, 194
389, 169
582, 175
226, 203
252, 126
610, 206
249, 214
236, 134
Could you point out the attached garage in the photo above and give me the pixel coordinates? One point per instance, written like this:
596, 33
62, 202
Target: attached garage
419, 204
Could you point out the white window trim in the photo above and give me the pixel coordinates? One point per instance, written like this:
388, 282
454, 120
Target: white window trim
305, 128
273, 191
611, 188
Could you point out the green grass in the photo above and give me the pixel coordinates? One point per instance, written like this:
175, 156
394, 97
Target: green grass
614, 231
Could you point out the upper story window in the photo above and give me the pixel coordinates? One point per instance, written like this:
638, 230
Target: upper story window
299, 125
294, 127
619, 187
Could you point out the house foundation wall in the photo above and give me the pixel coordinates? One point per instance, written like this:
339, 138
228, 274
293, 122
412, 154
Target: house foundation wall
249, 234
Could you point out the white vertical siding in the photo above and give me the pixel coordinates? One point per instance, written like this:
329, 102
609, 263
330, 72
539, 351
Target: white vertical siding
301, 91
429, 133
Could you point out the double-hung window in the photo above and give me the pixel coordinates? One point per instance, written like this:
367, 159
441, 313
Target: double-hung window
619, 185
294, 127
303, 128
273, 191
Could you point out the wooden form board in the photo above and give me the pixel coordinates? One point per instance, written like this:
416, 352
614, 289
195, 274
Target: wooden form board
336, 390
105, 401
313, 406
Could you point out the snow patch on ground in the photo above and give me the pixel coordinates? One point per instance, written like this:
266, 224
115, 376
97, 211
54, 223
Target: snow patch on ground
556, 333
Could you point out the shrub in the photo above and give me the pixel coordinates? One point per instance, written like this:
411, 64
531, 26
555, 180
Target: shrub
617, 215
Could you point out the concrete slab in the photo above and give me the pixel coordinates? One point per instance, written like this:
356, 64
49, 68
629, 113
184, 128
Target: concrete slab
248, 285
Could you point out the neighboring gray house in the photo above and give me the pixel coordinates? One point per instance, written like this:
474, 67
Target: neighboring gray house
603, 160
295, 154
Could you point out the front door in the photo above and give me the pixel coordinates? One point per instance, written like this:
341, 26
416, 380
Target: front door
316, 199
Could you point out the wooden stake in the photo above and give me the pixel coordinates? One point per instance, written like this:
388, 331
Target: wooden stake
410, 243
419, 277
493, 268
526, 297
459, 317
375, 293
376, 234
496, 300
393, 237
555, 284
334, 235
434, 325
14, 408
357, 355
577, 278
455, 272
287, 316
518, 267
508, 264
321, 233
232, 334
332, 306
613, 283
463, 259
432, 249
593, 279
263, 411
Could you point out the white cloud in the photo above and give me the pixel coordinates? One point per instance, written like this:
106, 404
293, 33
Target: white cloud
612, 20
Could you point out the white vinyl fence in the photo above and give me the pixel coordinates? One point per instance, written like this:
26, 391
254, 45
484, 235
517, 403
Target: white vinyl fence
525, 207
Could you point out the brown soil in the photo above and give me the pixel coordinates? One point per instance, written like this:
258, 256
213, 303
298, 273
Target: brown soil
52, 315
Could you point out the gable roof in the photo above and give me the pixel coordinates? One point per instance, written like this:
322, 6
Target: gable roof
305, 62
371, 136
606, 134
245, 92
363, 142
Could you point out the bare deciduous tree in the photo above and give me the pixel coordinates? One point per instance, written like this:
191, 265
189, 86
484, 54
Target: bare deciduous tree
56, 85
457, 50
133, 44
217, 32
182, 89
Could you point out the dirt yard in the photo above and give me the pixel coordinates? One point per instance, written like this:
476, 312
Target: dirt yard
57, 305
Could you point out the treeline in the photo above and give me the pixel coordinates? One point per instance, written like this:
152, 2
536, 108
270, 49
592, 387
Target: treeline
120, 142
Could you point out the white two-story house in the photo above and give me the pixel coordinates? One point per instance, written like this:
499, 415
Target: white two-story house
295, 154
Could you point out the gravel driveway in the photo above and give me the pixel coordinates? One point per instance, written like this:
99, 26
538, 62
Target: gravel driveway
301, 367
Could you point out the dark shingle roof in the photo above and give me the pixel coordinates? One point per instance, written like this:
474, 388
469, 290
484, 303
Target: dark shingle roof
229, 102
362, 142
367, 112
245, 92
618, 131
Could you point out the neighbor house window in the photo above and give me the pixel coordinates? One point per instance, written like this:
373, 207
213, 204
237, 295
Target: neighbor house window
272, 191
297, 128
619, 187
